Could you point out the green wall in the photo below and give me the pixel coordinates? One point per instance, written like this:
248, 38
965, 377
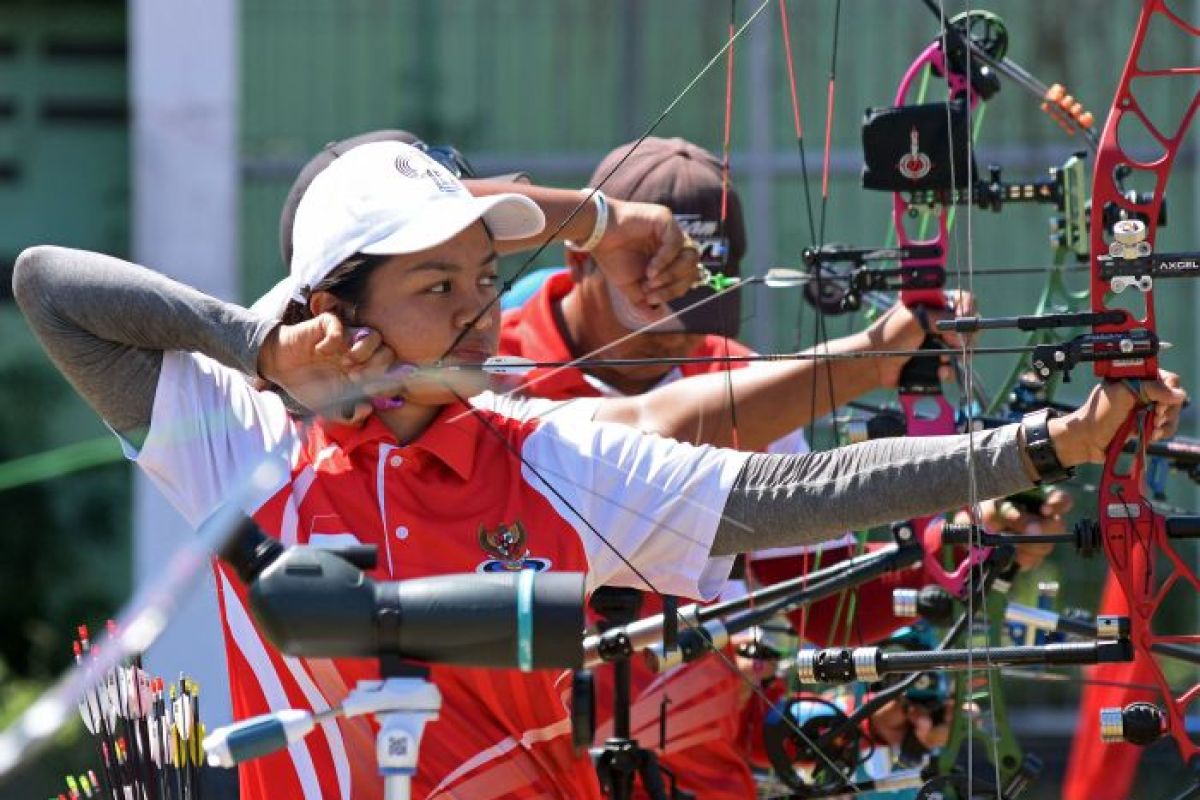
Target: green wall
64, 167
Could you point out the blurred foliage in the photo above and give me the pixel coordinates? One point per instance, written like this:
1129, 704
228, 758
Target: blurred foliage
71, 749
65, 541
66, 561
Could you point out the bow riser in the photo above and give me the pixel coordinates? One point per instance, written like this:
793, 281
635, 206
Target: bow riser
1134, 533
933, 298
1106, 192
926, 410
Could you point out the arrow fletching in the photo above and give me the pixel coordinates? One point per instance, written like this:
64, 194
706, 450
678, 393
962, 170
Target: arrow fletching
784, 278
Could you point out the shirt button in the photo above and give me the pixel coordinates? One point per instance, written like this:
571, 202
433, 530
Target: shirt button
402, 532
395, 461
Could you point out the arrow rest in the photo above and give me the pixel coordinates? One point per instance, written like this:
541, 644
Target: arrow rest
839, 276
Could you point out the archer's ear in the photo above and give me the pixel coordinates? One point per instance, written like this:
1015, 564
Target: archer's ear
320, 302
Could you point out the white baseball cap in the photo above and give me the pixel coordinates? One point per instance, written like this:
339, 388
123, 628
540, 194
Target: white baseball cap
386, 198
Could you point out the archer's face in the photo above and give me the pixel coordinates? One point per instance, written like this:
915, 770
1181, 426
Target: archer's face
606, 327
421, 302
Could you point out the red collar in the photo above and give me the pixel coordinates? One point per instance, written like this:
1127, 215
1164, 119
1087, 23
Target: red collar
541, 338
451, 438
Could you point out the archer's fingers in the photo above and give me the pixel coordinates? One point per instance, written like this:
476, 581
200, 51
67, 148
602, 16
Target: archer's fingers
674, 281
1167, 418
946, 374
673, 291
391, 381
671, 240
1012, 517
375, 365
932, 317
334, 340
1057, 503
354, 413
960, 303
1163, 393
1166, 422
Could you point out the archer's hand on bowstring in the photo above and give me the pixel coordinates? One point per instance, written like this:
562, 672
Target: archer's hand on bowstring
904, 328
646, 256
346, 373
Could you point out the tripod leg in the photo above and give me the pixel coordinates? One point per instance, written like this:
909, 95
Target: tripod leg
616, 767
652, 772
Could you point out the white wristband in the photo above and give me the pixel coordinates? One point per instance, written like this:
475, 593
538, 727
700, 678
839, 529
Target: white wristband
601, 203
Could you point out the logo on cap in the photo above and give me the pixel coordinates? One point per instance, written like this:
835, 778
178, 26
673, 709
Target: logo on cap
714, 248
418, 166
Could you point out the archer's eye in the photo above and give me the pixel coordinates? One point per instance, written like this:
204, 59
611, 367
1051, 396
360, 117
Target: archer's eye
489, 280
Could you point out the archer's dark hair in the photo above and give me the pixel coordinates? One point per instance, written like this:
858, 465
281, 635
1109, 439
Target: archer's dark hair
347, 282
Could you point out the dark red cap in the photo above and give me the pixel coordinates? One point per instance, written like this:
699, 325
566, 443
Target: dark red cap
686, 178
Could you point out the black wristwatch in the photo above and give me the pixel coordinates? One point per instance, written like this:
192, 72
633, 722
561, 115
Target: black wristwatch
1040, 448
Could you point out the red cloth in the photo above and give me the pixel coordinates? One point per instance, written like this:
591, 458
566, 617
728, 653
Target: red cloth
707, 731
500, 733
531, 331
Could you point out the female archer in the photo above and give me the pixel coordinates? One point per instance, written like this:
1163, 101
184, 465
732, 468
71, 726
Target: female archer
387, 239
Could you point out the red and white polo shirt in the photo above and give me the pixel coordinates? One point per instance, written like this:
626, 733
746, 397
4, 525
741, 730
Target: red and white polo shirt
501, 734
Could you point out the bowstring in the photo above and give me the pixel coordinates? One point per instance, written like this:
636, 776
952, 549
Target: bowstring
698, 628
967, 405
591, 192
816, 237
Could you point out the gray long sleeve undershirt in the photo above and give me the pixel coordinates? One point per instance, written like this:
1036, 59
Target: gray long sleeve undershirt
106, 322
777, 501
